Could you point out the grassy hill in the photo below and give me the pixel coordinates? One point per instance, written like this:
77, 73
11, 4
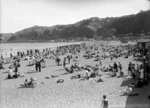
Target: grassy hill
88, 28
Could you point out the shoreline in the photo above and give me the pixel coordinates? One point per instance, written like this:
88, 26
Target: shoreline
4, 51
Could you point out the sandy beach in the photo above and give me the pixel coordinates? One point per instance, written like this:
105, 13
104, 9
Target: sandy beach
72, 93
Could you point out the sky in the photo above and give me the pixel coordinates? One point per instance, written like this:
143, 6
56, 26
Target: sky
16, 15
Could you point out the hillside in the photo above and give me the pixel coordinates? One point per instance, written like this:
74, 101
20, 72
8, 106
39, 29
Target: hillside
89, 28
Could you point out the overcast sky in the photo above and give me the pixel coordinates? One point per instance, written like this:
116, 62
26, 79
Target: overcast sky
19, 14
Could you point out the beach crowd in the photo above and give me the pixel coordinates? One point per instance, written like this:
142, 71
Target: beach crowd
67, 57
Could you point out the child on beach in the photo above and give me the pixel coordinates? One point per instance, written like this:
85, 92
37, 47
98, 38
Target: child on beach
104, 102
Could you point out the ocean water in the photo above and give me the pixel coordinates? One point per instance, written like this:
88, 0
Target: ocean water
7, 48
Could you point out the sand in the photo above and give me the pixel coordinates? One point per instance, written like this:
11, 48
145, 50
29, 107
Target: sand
71, 93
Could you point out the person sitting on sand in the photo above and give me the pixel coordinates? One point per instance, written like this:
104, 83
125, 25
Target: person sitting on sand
121, 74
105, 69
26, 83
139, 83
10, 73
32, 82
110, 68
99, 79
1, 65
128, 91
17, 74
87, 74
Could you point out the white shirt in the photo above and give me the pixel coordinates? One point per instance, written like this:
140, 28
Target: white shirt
10, 71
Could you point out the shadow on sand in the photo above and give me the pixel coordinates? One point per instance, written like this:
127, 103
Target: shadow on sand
21, 87
60, 70
127, 81
31, 72
139, 101
5, 72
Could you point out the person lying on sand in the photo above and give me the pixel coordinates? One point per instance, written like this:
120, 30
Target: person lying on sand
69, 70
60, 81
30, 64
129, 91
76, 76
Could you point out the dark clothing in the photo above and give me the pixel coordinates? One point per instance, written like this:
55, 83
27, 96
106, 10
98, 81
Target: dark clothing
38, 66
105, 103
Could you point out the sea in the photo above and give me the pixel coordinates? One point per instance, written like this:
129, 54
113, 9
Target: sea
7, 48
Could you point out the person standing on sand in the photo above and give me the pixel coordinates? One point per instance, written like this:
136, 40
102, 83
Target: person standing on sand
11, 55
111, 58
36, 65
115, 67
64, 62
68, 59
129, 68
142, 72
16, 65
120, 67
100, 63
39, 65
104, 102
58, 61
